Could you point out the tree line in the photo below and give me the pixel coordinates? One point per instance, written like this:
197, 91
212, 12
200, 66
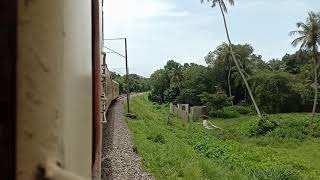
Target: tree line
136, 83
235, 75
288, 84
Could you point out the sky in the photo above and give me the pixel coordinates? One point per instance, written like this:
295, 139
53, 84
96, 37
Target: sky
186, 30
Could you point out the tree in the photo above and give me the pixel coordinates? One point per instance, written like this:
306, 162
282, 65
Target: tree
309, 38
194, 83
276, 65
226, 73
166, 83
160, 82
280, 89
175, 72
221, 57
224, 10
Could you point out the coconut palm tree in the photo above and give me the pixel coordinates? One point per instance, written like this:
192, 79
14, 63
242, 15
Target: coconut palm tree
309, 38
223, 9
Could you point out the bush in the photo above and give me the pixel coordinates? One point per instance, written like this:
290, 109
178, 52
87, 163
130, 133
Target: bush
227, 114
215, 103
244, 110
263, 126
293, 128
296, 129
154, 97
158, 138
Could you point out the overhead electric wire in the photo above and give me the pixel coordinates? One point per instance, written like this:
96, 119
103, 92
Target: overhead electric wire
113, 51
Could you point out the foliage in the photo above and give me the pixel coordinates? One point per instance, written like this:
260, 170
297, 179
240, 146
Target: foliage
280, 85
277, 92
177, 83
136, 83
264, 126
191, 152
309, 38
189, 96
158, 138
243, 110
160, 82
215, 103
220, 65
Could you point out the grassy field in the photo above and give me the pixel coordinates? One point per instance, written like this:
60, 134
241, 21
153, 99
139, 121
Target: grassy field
283, 146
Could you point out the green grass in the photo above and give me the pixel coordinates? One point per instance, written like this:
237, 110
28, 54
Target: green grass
172, 149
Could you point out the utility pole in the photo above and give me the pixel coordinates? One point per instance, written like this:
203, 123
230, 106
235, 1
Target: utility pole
127, 72
127, 68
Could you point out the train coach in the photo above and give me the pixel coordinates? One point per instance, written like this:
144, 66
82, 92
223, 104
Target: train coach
53, 93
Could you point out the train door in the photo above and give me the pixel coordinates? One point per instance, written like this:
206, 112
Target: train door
7, 88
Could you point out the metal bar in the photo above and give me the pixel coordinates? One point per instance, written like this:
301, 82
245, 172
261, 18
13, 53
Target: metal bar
114, 52
127, 72
113, 39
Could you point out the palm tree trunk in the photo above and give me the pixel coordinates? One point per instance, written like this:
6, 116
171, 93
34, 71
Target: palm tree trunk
230, 94
237, 63
315, 102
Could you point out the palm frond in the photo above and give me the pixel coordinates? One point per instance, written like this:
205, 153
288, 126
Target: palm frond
202, 1
297, 41
302, 25
224, 7
303, 45
221, 2
293, 33
231, 2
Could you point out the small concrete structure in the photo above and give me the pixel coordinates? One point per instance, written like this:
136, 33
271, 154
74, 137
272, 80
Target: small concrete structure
196, 112
181, 110
187, 113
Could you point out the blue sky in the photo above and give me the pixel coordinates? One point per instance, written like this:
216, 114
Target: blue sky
185, 30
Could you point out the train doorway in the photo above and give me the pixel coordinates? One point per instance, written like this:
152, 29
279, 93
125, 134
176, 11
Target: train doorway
7, 88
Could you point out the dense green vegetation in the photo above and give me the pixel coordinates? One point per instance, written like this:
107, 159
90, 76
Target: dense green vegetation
136, 83
235, 85
236, 75
282, 146
278, 85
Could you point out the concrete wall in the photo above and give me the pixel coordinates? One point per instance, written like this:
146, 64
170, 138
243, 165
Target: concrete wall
187, 113
181, 110
54, 86
196, 112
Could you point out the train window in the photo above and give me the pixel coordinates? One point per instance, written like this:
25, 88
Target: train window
7, 88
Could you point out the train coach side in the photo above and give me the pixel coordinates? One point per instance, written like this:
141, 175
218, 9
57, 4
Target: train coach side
110, 90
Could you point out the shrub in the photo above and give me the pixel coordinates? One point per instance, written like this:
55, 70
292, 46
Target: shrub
158, 138
154, 97
296, 129
215, 103
263, 126
228, 114
244, 110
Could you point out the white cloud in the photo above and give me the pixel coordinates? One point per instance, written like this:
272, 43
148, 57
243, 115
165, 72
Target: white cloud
128, 10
